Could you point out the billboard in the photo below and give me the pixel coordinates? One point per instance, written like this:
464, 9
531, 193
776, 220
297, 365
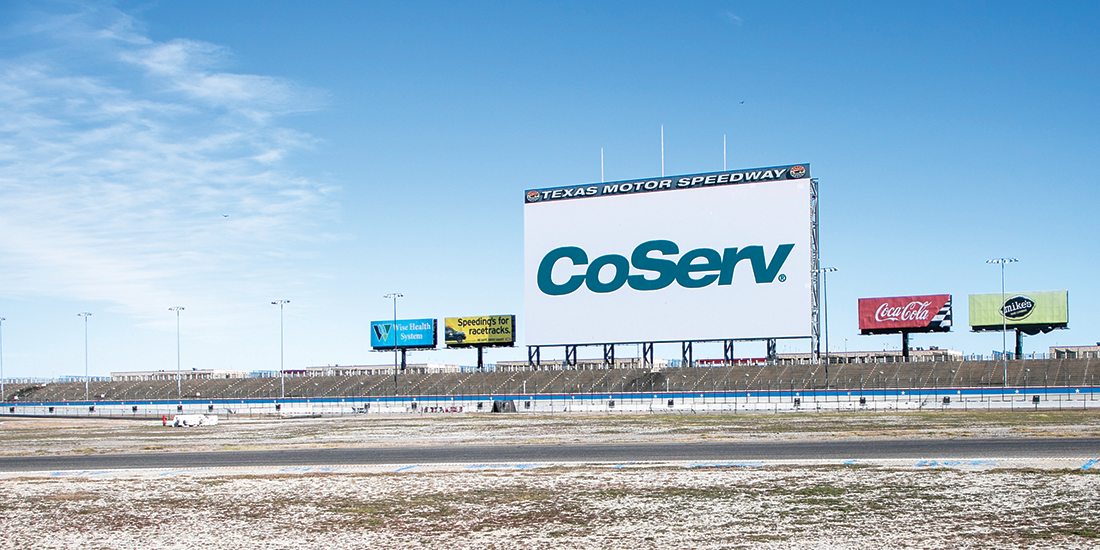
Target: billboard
491, 330
1043, 309
905, 314
409, 333
696, 257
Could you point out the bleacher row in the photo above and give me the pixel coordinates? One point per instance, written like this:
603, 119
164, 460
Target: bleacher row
739, 378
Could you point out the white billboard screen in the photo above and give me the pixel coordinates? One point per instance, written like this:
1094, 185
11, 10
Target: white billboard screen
701, 257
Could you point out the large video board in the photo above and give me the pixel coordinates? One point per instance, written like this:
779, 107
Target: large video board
696, 257
1045, 309
404, 333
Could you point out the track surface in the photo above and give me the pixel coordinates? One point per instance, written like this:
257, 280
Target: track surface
849, 449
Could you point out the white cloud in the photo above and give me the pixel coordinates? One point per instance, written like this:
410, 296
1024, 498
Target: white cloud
117, 161
733, 18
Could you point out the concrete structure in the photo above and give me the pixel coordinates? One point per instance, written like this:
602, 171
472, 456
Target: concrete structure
193, 374
884, 356
1075, 352
370, 370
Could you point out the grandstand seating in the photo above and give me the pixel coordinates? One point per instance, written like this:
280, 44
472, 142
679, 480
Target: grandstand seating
737, 378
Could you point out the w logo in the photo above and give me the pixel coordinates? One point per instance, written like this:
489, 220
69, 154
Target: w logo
382, 332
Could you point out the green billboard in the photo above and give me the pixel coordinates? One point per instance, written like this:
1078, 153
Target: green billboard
1048, 309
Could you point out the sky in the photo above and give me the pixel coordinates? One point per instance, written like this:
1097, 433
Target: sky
222, 155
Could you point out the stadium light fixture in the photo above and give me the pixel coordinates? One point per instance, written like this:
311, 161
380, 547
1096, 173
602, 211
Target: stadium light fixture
2, 394
282, 384
825, 306
179, 374
394, 296
1004, 319
85, 315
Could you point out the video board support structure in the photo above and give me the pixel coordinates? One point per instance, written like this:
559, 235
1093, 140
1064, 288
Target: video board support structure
727, 352
534, 357
571, 356
686, 354
647, 355
815, 253
609, 355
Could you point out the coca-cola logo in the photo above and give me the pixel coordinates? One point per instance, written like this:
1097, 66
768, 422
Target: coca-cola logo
1017, 307
913, 311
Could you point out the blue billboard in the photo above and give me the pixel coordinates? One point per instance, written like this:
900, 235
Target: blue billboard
403, 333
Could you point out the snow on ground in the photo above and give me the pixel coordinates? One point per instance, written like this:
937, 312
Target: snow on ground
760, 505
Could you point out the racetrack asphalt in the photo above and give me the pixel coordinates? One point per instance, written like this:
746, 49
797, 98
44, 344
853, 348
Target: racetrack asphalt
801, 450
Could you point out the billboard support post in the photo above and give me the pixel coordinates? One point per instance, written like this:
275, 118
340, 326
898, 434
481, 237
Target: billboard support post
727, 352
480, 359
571, 356
1019, 343
609, 355
772, 353
534, 357
686, 355
905, 346
647, 355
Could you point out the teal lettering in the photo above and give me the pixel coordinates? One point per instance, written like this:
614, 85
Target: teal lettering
713, 262
592, 277
695, 269
546, 269
666, 269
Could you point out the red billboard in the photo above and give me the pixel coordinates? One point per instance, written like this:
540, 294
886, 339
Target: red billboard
905, 314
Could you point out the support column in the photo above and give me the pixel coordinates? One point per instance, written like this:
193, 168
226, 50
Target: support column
609, 356
647, 355
571, 356
1019, 344
685, 355
534, 356
480, 363
904, 346
772, 354
727, 352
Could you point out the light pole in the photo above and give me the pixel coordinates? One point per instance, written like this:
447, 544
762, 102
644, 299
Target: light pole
2, 395
825, 306
85, 315
1004, 319
282, 383
179, 375
394, 296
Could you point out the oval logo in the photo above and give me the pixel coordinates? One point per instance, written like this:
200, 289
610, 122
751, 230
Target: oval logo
532, 196
798, 171
1018, 307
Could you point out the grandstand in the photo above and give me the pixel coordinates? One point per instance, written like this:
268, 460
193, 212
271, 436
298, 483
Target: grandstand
761, 377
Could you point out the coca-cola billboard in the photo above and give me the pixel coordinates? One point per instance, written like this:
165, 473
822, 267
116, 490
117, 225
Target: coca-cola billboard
905, 314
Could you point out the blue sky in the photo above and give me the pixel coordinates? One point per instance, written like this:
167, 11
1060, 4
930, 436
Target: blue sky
221, 155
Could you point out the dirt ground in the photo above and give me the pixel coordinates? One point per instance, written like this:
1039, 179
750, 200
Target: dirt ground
950, 505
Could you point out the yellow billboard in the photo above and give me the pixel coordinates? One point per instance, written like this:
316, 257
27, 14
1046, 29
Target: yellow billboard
491, 330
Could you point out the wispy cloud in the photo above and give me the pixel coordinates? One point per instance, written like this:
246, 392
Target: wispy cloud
732, 18
119, 156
